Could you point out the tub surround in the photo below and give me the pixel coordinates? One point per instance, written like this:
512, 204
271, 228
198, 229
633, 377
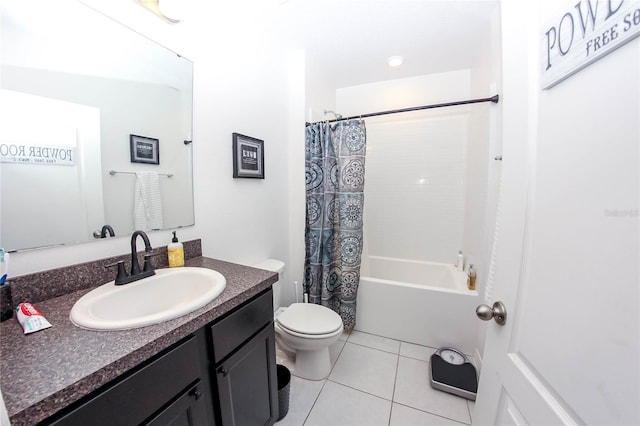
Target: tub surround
44, 372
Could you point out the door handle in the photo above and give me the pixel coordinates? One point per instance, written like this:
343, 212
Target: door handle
498, 312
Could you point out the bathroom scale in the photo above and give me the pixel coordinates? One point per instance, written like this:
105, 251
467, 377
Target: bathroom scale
452, 372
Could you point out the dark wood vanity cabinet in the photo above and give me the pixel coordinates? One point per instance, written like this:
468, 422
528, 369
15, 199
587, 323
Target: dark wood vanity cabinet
245, 366
224, 374
171, 388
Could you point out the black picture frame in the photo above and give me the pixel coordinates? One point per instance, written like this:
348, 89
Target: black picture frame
144, 149
248, 157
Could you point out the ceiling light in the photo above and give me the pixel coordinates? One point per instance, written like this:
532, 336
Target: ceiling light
168, 10
395, 61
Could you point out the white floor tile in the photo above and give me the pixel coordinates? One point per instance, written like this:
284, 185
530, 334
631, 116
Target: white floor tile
335, 350
413, 389
303, 394
339, 405
411, 350
366, 369
406, 416
373, 341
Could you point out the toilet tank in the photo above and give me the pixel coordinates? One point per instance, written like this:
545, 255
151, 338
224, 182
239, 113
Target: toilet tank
274, 265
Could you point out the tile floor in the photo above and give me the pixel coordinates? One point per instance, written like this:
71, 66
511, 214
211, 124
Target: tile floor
373, 381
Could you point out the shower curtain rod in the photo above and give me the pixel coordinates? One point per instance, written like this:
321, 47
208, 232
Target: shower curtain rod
493, 99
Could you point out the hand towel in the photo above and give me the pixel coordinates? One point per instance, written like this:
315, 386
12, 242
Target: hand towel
147, 202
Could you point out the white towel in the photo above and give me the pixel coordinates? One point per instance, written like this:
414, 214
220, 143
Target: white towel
147, 203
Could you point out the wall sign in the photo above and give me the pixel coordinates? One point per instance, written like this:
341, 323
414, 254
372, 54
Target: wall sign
144, 149
49, 155
583, 32
248, 157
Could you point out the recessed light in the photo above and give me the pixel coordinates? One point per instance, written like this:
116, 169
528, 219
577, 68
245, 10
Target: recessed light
395, 61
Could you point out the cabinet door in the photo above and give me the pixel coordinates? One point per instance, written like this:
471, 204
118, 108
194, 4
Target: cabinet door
187, 410
247, 383
140, 394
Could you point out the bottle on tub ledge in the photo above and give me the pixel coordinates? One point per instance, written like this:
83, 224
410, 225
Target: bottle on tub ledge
175, 252
460, 262
471, 281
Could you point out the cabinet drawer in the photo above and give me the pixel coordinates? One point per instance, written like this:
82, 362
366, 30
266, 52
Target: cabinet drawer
142, 393
233, 330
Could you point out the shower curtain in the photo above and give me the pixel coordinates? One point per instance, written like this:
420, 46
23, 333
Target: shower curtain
334, 173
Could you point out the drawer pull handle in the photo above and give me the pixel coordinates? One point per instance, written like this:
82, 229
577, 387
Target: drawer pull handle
222, 371
196, 393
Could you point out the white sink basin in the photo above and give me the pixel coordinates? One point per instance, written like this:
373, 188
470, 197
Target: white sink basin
169, 294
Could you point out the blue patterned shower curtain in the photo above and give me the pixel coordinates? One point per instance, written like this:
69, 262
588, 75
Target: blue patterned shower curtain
334, 168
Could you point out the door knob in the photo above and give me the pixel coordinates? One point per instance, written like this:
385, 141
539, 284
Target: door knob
498, 312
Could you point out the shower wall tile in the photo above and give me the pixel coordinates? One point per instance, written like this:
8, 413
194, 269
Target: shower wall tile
415, 188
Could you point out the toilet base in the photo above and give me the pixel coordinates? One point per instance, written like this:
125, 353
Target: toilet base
313, 365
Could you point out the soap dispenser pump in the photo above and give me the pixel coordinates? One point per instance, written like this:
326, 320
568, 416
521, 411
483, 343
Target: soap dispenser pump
175, 251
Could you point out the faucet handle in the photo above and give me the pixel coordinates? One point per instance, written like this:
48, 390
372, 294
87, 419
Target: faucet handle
148, 267
121, 274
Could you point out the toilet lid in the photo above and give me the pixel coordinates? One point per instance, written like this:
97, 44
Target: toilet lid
309, 318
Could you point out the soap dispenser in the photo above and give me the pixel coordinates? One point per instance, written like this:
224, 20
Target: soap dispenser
175, 251
471, 282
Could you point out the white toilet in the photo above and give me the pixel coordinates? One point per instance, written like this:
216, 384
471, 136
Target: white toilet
304, 328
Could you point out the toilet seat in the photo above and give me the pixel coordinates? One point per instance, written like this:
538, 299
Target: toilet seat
307, 337
309, 320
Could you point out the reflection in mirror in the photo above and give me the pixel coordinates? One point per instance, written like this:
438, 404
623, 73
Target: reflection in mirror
76, 86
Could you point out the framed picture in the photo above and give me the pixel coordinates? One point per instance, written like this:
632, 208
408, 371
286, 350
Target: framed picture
144, 150
248, 157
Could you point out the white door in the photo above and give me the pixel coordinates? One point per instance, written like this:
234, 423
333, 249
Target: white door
567, 244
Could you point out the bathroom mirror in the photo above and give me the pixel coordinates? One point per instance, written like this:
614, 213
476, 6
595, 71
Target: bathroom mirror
83, 95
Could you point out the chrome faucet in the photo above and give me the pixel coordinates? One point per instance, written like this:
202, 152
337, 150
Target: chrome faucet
136, 274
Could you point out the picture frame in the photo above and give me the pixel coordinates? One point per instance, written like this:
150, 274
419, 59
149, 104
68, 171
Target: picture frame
144, 149
248, 157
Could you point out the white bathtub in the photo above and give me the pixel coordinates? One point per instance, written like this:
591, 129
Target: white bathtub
417, 302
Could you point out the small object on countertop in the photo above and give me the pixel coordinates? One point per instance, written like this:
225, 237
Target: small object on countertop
4, 266
30, 319
471, 282
6, 311
175, 251
460, 261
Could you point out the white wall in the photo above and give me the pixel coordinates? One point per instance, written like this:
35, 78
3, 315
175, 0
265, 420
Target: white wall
320, 94
485, 143
241, 85
297, 204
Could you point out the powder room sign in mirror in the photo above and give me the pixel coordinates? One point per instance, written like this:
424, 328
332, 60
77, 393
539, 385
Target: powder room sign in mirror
76, 80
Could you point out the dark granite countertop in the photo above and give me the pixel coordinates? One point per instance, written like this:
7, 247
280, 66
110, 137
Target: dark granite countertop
43, 372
